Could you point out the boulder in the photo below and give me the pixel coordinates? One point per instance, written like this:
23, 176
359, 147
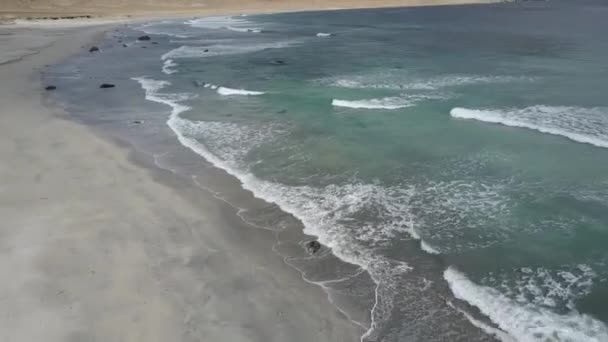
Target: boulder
93, 49
106, 85
144, 38
313, 246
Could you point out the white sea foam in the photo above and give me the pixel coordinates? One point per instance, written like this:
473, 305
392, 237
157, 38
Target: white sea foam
525, 322
559, 288
428, 248
168, 66
584, 125
230, 91
384, 103
221, 49
326, 212
324, 35
237, 24
400, 80
245, 29
501, 335
388, 103
312, 205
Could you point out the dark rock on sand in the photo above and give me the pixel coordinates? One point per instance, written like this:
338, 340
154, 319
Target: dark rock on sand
278, 62
313, 246
206, 50
125, 45
144, 38
199, 83
137, 122
93, 49
106, 85
154, 43
51, 87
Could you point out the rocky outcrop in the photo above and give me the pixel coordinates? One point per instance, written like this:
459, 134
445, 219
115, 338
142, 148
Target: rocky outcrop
313, 246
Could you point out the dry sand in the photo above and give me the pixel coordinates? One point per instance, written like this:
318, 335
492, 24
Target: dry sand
96, 247
35, 8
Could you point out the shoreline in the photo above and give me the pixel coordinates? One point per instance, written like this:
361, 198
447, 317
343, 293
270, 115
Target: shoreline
35, 16
161, 178
126, 229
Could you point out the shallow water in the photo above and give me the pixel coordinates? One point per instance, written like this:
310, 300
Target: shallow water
454, 157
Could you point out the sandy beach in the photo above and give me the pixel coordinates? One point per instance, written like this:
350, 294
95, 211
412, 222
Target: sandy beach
97, 247
50, 8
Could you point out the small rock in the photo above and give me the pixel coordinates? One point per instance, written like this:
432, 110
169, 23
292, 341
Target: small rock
51, 87
206, 50
137, 122
106, 85
154, 43
313, 246
278, 62
94, 49
125, 45
144, 38
283, 111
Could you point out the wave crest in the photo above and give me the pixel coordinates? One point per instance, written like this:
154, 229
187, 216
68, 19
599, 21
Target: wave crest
384, 103
230, 91
583, 125
525, 323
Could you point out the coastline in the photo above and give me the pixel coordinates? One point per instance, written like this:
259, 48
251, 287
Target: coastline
184, 184
94, 12
111, 249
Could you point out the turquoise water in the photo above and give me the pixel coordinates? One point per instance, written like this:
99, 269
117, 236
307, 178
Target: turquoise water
457, 155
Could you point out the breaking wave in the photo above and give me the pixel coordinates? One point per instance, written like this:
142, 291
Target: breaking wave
583, 125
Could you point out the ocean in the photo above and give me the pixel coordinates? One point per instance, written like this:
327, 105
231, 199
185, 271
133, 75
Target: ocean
452, 161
